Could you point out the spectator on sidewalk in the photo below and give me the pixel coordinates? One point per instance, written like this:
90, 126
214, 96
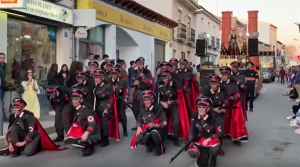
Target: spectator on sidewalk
3, 83
75, 66
63, 75
297, 82
52, 76
282, 75
86, 62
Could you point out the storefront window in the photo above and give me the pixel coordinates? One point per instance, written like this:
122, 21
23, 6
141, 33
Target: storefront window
96, 49
96, 34
83, 51
30, 40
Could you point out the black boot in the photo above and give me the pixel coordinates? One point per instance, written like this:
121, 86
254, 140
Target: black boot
149, 149
88, 151
16, 153
104, 141
213, 162
134, 128
176, 142
158, 151
58, 139
125, 133
237, 143
221, 152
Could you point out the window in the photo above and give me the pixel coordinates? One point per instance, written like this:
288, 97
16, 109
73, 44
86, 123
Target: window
30, 40
213, 44
179, 15
183, 55
193, 34
96, 34
181, 31
218, 43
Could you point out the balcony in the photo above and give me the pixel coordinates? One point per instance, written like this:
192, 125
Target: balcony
181, 32
213, 42
218, 44
191, 36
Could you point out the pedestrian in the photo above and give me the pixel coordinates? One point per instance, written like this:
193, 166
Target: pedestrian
63, 75
86, 62
52, 76
282, 75
3, 71
297, 82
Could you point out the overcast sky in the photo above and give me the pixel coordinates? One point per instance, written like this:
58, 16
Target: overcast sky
281, 13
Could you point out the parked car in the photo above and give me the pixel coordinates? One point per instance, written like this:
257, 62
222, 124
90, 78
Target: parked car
267, 76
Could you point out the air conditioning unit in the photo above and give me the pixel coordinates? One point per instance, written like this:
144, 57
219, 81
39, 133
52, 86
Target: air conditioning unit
209, 43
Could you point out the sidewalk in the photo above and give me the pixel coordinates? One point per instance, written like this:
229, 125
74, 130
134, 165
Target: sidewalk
47, 122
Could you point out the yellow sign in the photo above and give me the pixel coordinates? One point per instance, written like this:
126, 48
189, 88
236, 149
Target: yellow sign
115, 16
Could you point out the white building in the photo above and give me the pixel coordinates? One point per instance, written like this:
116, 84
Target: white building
208, 27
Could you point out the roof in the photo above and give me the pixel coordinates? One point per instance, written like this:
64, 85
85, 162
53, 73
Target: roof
142, 11
259, 42
212, 16
279, 42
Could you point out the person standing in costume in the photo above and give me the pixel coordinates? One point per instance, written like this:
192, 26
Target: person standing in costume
171, 98
240, 78
59, 98
109, 64
121, 92
251, 83
26, 133
105, 107
83, 85
218, 95
85, 128
190, 85
206, 131
152, 122
235, 124
142, 80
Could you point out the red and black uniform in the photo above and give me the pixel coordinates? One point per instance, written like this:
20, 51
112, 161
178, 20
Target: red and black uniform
84, 120
174, 69
241, 79
189, 83
153, 137
108, 66
26, 128
84, 85
235, 124
93, 65
171, 92
105, 107
145, 83
121, 92
63, 110
204, 128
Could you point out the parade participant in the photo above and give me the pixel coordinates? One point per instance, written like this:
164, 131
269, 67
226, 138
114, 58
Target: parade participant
171, 98
85, 128
174, 69
93, 65
251, 83
205, 131
235, 124
109, 64
25, 133
121, 92
240, 78
60, 100
105, 107
142, 80
190, 85
218, 95
151, 124
162, 66
83, 85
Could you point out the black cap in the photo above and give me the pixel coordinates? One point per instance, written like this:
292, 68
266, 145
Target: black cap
165, 73
140, 60
18, 102
235, 64
250, 63
225, 70
147, 94
115, 70
50, 90
109, 62
203, 101
99, 73
93, 63
214, 78
80, 74
165, 65
77, 93
183, 61
173, 61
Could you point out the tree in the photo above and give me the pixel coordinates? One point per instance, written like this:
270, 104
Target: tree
291, 50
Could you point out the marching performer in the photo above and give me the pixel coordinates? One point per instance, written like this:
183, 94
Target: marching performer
85, 128
218, 96
121, 92
151, 126
109, 64
235, 124
174, 69
59, 98
83, 85
205, 131
190, 85
25, 132
171, 98
105, 107
142, 80
240, 78
93, 65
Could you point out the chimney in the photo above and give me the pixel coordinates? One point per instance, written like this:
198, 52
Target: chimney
252, 22
226, 26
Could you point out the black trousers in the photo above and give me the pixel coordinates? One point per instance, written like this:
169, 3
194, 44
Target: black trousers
172, 112
63, 119
121, 107
250, 95
136, 106
295, 109
282, 79
18, 135
104, 119
154, 139
205, 154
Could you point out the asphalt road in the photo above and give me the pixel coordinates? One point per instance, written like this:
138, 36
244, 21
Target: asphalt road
272, 143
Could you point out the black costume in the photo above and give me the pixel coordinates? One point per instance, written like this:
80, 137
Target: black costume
121, 92
108, 66
86, 87
63, 110
251, 77
103, 102
202, 129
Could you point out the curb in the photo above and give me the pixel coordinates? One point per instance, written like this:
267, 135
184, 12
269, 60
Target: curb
3, 142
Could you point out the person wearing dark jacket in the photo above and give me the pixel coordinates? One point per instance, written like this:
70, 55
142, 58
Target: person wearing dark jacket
63, 75
74, 67
52, 76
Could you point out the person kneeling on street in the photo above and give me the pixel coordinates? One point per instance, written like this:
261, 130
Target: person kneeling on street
151, 125
205, 132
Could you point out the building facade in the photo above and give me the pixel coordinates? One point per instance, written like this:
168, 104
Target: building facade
40, 31
280, 54
126, 30
208, 27
183, 36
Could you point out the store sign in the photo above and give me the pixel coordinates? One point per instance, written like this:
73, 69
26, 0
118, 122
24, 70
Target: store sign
12, 4
48, 10
117, 17
81, 33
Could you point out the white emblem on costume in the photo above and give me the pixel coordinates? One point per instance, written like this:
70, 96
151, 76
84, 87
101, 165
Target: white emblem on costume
91, 119
30, 129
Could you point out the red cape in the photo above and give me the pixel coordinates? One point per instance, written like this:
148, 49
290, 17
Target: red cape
235, 124
45, 143
193, 95
243, 96
151, 79
183, 117
113, 131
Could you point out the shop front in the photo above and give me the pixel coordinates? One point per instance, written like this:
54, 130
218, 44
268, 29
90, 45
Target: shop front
125, 35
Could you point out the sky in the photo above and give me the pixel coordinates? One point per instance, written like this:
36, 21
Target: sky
281, 13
